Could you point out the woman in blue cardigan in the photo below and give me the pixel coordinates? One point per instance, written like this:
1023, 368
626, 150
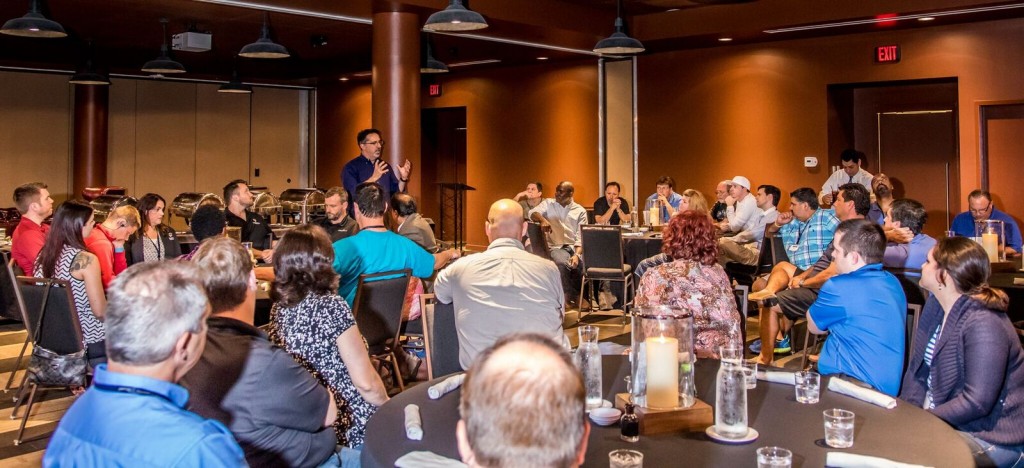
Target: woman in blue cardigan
967, 366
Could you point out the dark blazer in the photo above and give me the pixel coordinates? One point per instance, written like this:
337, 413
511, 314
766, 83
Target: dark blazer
171, 247
977, 371
418, 230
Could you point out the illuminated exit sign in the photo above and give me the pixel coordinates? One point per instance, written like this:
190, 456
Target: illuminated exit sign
434, 90
887, 54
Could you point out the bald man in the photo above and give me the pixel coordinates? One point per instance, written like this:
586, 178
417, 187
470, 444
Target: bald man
503, 290
502, 422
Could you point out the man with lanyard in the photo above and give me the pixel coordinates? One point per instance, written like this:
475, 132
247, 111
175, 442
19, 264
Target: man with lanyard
369, 167
255, 228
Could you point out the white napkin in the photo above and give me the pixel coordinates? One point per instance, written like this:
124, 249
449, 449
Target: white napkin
787, 378
425, 459
852, 460
445, 386
861, 393
413, 423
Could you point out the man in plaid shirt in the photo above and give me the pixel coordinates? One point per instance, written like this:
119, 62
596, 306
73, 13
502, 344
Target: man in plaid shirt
807, 230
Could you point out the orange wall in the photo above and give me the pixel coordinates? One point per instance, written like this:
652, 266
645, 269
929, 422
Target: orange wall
537, 122
757, 110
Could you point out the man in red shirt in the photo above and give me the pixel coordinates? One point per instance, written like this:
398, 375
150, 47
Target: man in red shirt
34, 203
107, 241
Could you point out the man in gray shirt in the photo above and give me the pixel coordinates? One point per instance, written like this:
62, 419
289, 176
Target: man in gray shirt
503, 290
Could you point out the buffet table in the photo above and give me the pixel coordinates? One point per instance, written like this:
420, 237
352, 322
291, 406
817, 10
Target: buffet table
906, 434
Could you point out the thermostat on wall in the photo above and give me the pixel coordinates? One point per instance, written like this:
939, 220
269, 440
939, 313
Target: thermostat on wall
810, 161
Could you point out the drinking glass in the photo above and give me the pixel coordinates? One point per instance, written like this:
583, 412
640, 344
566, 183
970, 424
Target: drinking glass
774, 457
731, 353
807, 387
839, 428
750, 371
623, 458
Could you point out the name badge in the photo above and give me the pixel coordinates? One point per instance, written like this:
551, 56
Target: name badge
794, 248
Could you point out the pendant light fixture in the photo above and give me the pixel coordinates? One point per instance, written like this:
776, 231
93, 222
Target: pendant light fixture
619, 43
235, 86
431, 64
455, 17
265, 47
33, 24
89, 74
164, 63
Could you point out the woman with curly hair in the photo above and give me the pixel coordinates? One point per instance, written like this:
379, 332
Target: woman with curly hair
693, 280
317, 327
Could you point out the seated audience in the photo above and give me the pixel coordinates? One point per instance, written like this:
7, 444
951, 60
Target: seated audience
745, 246
790, 290
277, 411
851, 173
693, 275
718, 212
35, 205
692, 201
982, 208
134, 413
665, 198
503, 290
806, 229
317, 327
155, 240
611, 208
64, 257
255, 227
410, 224
561, 217
531, 197
911, 215
967, 366
337, 222
523, 405
741, 212
863, 309
107, 240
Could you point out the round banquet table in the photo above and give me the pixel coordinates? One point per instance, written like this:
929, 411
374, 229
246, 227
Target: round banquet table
638, 247
906, 434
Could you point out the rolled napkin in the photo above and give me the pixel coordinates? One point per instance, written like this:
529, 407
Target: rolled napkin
865, 394
776, 377
424, 459
413, 423
852, 460
445, 386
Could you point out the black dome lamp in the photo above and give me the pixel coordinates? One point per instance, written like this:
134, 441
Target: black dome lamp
619, 43
431, 64
164, 63
33, 24
265, 47
455, 17
235, 86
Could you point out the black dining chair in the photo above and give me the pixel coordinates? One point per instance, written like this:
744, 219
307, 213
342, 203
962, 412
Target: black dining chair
378, 313
15, 306
440, 337
603, 261
51, 319
538, 240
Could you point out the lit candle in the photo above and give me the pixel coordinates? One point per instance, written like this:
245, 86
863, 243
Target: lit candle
990, 242
662, 372
656, 215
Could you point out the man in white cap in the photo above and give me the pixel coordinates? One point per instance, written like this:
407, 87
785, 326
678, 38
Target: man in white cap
742, 208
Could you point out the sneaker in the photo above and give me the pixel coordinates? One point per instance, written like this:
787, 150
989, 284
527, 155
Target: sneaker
755, 346
783, 346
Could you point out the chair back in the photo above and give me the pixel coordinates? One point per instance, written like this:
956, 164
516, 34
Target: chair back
602, 247
538, 241
51, 318
440, 337
777, 252
378, 308
11, 304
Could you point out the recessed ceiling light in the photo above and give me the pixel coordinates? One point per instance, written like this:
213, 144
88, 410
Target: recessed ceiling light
724, 39
670, 10
344, 78
542, 58
927, 18
892, 18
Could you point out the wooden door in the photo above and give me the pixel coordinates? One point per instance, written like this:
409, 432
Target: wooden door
1001, 149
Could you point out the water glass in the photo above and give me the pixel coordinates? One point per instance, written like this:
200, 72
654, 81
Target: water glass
839, 428
808, 385
750, 371
623, 458
774, 457
732, 353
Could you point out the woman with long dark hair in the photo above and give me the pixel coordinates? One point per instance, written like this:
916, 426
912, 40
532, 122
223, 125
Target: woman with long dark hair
155, 240
317, 327
64, 257
967, 366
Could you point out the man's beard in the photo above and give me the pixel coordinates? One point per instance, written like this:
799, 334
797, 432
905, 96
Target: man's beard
335, 217
882, 191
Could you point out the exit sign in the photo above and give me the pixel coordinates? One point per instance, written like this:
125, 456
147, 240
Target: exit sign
887, 54
434, 90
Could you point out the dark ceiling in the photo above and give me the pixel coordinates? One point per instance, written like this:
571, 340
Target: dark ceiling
126, 33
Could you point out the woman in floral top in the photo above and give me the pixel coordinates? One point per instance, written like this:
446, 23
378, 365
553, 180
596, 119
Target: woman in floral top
317, 327
693, 280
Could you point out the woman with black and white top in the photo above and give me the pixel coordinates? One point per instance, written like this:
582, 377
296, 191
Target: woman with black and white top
155, 241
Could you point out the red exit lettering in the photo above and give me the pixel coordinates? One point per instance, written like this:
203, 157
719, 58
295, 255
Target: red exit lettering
434, 90
887, 54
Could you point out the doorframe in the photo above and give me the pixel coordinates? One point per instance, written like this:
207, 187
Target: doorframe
983, 111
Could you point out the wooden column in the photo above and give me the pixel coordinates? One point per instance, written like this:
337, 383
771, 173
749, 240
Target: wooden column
89, 157
396, 89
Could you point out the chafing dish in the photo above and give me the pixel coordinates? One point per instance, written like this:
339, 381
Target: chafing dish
92, 193
298, 206
186, 204
265, 203
103, 205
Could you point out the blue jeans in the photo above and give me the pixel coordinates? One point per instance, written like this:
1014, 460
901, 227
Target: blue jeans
344, 457
986, 454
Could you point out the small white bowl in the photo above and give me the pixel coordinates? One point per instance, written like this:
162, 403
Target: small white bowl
605, 416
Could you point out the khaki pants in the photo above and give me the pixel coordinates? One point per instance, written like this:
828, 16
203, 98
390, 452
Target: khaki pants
730, 251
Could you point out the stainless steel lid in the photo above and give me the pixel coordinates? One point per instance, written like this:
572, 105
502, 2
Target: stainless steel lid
104, 204
186, 204
297, 198
265, 203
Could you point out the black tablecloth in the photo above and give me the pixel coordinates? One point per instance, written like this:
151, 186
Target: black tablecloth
261, 315
906, 433
1004, 281
638, 248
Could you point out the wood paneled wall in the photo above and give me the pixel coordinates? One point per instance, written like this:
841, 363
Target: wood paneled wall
35, 133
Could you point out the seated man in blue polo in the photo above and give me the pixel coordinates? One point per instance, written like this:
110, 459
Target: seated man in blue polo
666, 198
981, 208
863, 309
133, 415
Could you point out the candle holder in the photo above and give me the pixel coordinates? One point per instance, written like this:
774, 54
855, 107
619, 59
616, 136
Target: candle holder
991, 234
663, 358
